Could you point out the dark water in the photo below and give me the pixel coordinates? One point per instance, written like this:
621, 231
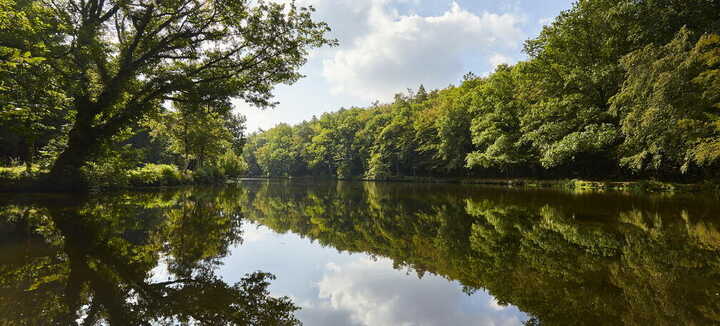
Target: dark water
359, 254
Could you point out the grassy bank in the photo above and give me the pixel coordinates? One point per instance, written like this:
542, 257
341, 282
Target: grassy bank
17, 179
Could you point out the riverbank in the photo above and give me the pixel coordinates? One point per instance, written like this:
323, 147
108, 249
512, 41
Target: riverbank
649, 186
157, 176
16, 179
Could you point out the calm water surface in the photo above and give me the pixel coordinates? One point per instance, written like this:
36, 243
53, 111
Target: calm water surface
347, 253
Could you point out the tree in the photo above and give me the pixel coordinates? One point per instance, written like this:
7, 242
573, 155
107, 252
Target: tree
333, 146
199, 132
235, 123
496, 128
32, 105
575, 69
550, 116
667, 105
118, 61
277, 156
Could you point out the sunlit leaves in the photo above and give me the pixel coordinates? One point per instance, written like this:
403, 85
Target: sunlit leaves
667, 105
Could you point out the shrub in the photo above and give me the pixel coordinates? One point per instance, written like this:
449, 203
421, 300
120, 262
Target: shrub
155, 175
111, 170
12, 175
105, 174
208, 174
233, 165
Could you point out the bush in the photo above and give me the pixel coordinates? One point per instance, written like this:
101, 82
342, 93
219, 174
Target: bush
111, 170
105, 174
156, 175
17, 178
233, 165
208, 174
13, 173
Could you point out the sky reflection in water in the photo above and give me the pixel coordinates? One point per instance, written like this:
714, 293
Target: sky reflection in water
339, 288
341, 252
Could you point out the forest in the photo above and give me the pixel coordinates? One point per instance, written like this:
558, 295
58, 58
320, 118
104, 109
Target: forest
610, 90
130, 93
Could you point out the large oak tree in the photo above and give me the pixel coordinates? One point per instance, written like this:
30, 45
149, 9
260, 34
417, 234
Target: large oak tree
121, 60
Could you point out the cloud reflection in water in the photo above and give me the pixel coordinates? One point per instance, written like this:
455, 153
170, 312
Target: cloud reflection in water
338, 288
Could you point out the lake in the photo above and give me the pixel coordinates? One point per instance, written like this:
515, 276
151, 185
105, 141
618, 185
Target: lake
359, 253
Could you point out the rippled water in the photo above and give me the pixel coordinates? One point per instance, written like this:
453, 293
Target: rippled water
351, 253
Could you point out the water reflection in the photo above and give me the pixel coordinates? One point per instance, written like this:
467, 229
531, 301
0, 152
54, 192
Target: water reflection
70, 260
595, 259
179, 256
337, 288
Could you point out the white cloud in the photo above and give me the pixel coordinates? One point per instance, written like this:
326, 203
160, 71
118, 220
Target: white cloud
385, 52
367, 292
255, 232
498, 59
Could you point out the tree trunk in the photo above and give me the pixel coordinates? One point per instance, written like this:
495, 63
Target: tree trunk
65, 174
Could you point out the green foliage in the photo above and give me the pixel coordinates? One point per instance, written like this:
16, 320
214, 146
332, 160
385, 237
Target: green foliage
112, 170
102, 66
196, 133
610, 89
607, 92
156, 175
208, 175
32, 102
496, 128
666, 104
233, 165
8, 174
277, 156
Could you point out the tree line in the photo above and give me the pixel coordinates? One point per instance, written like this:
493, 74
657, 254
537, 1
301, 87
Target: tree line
610, 89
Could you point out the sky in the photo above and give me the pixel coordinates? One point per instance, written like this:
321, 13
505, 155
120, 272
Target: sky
388, 46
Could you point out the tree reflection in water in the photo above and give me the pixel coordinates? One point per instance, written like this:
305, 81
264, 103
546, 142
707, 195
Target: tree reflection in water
70, 260
592, 259
566, 259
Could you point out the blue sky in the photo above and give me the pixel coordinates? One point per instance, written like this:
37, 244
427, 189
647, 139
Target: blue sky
387, 46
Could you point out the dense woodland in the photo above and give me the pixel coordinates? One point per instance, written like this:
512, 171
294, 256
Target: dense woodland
101, 92
611, 89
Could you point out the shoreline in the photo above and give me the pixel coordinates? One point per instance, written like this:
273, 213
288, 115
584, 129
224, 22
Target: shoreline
647, 186
639, 186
